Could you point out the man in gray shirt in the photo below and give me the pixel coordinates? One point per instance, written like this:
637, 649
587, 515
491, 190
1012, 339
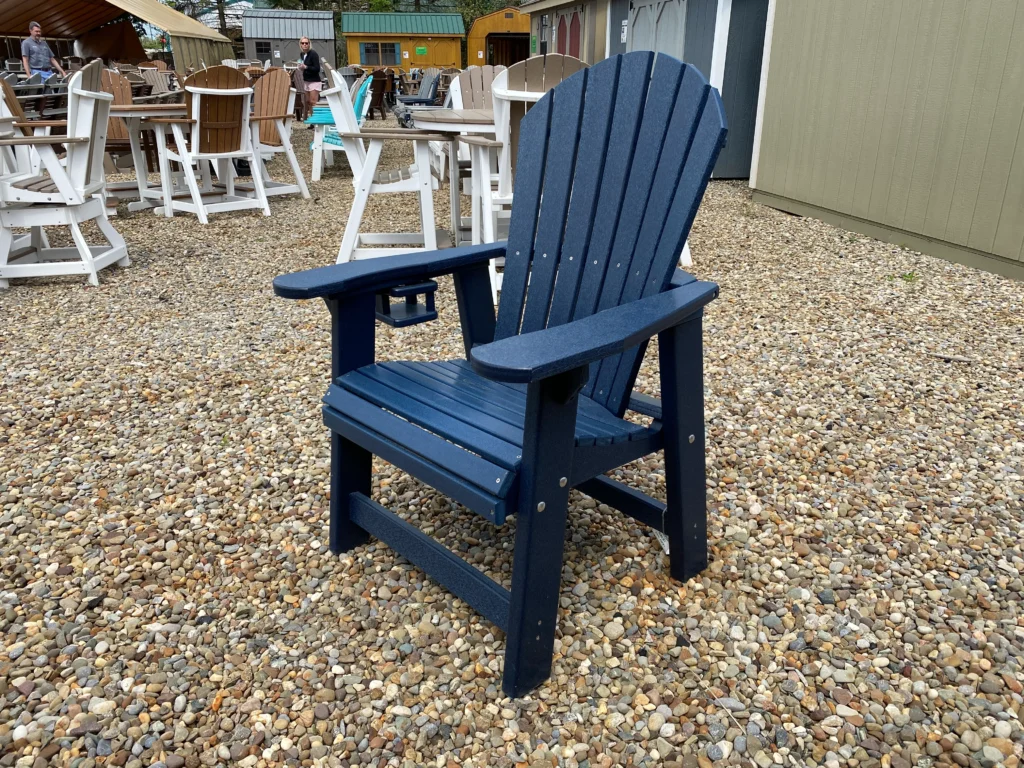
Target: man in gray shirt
36, 55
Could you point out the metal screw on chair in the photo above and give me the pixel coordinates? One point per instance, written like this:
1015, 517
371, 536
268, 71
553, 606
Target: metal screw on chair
562, 482
541, 507
692, 438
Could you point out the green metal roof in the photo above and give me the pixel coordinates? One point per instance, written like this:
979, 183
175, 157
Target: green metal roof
402, 24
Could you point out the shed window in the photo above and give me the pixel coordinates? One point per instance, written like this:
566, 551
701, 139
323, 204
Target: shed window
510, 15
262, 50
379, 54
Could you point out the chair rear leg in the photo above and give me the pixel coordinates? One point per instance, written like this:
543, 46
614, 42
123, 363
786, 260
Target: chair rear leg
682, 396
84, 251
6, 244
540, 530
351, 468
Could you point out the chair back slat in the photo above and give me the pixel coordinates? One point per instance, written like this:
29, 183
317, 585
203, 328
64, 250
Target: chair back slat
155, 78
604, 226
221, 122
117, 86
272, 94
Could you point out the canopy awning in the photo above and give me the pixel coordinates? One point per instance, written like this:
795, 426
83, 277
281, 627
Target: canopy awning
73, 18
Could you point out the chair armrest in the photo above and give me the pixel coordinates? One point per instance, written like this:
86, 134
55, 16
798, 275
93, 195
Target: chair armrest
479, 141
397, 135
538, 355
31, 141
170, 120
41, 124
375, 275
218, 91
261, 118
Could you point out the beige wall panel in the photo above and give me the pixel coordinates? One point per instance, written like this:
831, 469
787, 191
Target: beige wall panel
895, 104
966, 64
998, 220
879, 72
906, 113
828, 99
911, 111
978, 134
859, 88
850, 58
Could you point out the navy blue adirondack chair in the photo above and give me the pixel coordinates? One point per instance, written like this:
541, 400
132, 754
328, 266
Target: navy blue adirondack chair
425, 95
620, 156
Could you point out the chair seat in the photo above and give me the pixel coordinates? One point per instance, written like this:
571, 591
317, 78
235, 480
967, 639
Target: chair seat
443, 414
44, 185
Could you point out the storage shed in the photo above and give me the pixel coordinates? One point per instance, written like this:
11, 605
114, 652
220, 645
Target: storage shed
899, 119
192, 42
724, 39
274, 35
502, 38
403, 39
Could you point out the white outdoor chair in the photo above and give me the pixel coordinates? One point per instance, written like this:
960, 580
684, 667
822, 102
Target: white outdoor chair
369, 180
216, 131
67, 192
326, 140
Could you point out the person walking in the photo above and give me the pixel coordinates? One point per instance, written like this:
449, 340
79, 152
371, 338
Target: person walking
310, 66
36, 56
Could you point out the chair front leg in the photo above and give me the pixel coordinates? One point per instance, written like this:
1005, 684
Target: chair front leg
548, 443
352, 346
680, 352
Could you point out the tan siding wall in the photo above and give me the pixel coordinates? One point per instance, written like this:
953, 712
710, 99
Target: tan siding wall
192, 51
441, 51
906, 113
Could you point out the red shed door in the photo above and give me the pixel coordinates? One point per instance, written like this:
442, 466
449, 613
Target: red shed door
563, 35
574, 36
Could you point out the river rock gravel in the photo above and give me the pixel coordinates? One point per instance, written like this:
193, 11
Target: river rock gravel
167, 597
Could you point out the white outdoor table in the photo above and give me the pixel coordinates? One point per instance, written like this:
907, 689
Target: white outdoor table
149, 196
452, 123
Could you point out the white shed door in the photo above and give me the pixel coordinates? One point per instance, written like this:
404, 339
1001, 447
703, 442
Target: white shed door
657, 25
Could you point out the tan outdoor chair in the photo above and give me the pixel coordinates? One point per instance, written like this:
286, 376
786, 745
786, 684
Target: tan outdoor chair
271, 125
215, 132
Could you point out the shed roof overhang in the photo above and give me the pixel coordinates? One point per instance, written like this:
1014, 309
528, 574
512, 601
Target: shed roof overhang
73, 18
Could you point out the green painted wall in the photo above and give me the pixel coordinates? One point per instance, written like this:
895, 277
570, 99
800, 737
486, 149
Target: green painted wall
905, 113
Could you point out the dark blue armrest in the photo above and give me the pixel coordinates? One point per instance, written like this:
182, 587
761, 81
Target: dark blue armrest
538, 355
372, 275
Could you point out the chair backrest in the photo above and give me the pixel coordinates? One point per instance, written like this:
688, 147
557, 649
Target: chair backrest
514, 92
620, 156
88, 110
36, 79
472, 88
221, 119
272, 95
155, 78
14, 65
345, 121
117, 85
428, 85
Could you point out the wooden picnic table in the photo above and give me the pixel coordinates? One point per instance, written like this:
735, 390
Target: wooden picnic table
454, 123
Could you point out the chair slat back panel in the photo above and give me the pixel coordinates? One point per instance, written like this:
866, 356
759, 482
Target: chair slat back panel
474, 86
604, 226
154, 77
563, 139
221, 119
117, 86
343, 112
87, 117
689, 191
11, 106
271, 94
538, 74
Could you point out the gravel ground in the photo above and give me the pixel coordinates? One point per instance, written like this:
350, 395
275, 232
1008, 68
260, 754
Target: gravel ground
168, 598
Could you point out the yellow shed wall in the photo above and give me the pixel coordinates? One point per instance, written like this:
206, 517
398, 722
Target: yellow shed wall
441, 51
493, 23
